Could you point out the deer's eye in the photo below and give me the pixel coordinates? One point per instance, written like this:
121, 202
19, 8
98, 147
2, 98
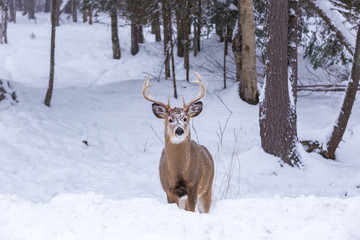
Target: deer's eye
170, 120
185, 119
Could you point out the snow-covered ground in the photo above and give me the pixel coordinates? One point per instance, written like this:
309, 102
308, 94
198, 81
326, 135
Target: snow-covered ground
53, 186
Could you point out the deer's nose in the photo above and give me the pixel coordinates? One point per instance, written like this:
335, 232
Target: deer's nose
179, 131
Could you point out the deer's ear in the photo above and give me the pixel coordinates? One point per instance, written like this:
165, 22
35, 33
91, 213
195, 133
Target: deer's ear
195, 109
159, 110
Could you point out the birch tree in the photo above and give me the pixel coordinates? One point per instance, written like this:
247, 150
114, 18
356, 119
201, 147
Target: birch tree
248, 83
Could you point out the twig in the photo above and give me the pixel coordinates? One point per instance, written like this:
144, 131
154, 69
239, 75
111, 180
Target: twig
157, 135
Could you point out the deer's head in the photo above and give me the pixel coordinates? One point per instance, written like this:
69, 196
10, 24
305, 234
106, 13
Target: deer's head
177, 120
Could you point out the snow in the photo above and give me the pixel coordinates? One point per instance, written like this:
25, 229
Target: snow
54, 186
338, 20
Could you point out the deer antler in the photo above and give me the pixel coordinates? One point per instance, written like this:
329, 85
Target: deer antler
201, 92
147, 96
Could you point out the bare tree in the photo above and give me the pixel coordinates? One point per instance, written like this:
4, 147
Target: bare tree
328, 149
155, 21
52, 53
186, 29
47, 7
3, 24
166, 14
12, 11
277, 122
74, 9
114, 34
197, 26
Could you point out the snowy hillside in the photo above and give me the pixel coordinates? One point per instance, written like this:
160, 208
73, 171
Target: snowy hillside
54, 186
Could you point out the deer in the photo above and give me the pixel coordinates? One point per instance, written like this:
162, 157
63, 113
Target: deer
186, 168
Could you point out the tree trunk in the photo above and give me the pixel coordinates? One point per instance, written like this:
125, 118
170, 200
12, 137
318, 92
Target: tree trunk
68, 7
139, 28
248, 85
180, 33
134, 39
225, 53
25, 7
198, 27
187, 27
2, 25
166, 12
47, 7
18, 5
155, 23
292, 46
345, 112
5, 25
328, 151
277, 123
52, 53
172, 61
114, 34
12, 11
31, 9
90, 14
237, 49
85, 16
74, 10
57, 18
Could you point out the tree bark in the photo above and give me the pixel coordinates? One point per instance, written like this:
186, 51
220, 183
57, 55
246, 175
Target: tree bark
248, 85
197, 33
12, 11
134, 39
187, 27
90, 15
173, 63
277, 123
180, 31
5, 25
47, 7
140, 33
74, 10
114, 34
3, 22
49, 92
293, 46
58, 5
85, 16
155, 23
345, 112
166, 12
225, 53
237, 49
31, 9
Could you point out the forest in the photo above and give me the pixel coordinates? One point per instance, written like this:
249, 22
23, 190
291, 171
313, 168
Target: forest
80, 146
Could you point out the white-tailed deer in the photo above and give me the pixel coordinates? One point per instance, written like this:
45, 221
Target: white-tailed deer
186, 168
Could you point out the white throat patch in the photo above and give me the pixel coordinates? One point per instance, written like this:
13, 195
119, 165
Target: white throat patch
177, 140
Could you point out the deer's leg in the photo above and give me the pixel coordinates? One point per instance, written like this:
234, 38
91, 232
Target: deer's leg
204, 202
170, 198
192, 198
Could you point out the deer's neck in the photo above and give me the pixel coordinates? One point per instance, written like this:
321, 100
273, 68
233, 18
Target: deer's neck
178, 154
